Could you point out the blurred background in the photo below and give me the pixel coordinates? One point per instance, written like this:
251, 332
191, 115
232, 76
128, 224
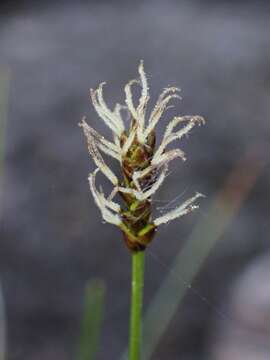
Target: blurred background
52, 238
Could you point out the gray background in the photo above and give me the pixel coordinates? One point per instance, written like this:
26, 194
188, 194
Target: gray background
52, 236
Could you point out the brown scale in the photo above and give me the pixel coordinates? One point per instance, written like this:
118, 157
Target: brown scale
138, 231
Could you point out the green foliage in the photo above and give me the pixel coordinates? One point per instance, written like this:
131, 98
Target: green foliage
137, 284
92, 320
4, 85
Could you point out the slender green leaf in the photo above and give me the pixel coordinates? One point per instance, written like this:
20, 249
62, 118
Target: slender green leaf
92, 319
190, 259
188, 262
4, 87
2, 326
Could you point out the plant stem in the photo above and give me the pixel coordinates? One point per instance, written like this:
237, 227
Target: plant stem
136, 305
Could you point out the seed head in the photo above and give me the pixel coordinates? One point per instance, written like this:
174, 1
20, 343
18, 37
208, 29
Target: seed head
144, 165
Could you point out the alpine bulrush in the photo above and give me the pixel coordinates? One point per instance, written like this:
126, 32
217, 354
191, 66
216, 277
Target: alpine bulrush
144, 165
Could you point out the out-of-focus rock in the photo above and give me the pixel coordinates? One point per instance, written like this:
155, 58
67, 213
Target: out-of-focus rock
245, 334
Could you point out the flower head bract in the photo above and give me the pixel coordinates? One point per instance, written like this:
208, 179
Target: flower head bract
144, 165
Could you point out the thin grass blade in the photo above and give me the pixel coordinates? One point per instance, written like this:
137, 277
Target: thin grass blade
92, 320
190, 259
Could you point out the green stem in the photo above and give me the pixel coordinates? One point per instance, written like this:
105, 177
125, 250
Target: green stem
136, 305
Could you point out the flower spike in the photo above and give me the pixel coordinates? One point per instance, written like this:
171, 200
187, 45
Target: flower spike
144, 168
